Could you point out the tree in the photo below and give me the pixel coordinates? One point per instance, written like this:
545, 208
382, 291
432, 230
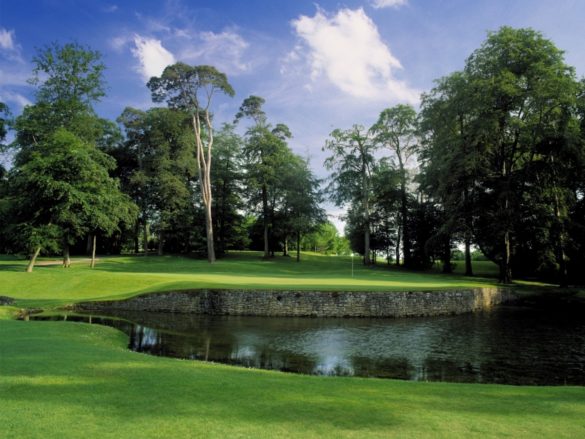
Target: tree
4, 121
4, 115
522, 90
324, 238
158, 169
396, 129
352, 160
386, 212
60, 126
228, 182
267, 156
450, 163
63, 192
301, 208
191, 89
69, 80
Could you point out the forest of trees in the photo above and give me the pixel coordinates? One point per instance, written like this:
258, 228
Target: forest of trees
493, 160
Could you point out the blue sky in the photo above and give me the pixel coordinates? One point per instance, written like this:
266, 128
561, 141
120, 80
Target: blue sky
320, 65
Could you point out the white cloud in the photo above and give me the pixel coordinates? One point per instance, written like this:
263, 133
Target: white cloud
225, 50
152, 56
347, 49
110, 8
379, 4
6, 39
13, 76
119, 43
9, 49
16, 98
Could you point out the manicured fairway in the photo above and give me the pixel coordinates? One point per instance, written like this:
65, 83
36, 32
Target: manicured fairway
60, 380
125, 276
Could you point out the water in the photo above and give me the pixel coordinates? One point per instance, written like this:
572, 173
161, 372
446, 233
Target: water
508, 345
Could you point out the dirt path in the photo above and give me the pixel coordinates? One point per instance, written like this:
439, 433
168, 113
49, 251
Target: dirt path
60, 262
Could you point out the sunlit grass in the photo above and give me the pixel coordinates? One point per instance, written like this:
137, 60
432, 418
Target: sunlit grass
61, 380
120, 277
8, 312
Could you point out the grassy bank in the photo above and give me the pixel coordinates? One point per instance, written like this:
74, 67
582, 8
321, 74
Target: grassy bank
67, 380
62, 379
119, 277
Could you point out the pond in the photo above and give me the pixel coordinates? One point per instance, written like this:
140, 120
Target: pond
537, 345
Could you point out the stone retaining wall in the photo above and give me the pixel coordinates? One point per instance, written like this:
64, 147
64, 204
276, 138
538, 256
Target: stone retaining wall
311, 303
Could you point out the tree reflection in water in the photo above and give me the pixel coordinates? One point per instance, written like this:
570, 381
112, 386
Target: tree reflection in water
513, 345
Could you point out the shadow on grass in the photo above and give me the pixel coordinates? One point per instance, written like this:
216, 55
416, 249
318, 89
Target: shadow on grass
12, 267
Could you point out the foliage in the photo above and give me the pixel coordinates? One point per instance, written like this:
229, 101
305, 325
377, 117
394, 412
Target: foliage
59, 188
352, 161
228, 187
396, 130
191, 89
157, 167
69, 80
279, 183
325, 239
502, 149
64, 191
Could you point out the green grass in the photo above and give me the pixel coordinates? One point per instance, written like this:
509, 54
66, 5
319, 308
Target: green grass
9, 312
60, 380
120, 277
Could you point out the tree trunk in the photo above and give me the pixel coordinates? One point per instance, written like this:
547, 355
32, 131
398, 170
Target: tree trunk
468, 264
160, 244
562, 261
66, 256
285, 249
398, 238
405, 229
559, 234
88, 245
33, 259
468, 234
265, 220
367, 260
137, 238
209, 234
366, 205
298, 247
505, 269
271, 243
145, 237
93, 246
447, 267
204, 172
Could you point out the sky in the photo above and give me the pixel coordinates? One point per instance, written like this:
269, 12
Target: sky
319, 65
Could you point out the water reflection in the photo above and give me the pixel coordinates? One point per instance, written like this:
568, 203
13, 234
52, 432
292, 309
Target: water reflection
513, 345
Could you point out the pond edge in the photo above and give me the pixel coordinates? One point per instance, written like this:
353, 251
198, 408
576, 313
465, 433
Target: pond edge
278, 303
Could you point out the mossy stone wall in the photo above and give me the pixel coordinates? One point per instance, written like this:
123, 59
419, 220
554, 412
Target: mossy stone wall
311, 303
